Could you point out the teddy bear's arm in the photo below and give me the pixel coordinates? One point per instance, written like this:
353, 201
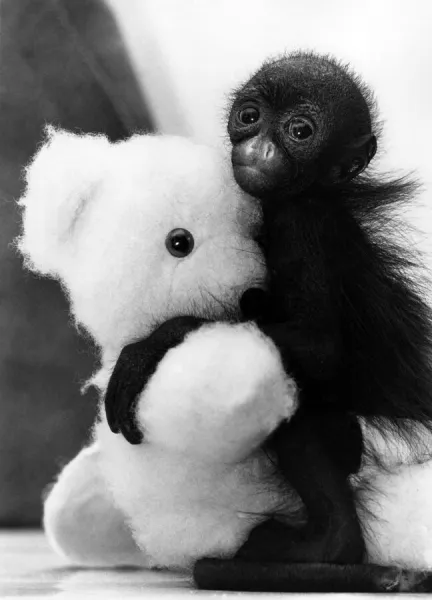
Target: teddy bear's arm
136, 364
81, 520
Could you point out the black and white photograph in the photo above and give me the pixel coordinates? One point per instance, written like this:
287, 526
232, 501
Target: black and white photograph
215, 298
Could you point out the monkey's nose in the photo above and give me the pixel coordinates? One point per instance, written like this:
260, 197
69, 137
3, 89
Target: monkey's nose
260, 152
248, 154
268, 151
255, 152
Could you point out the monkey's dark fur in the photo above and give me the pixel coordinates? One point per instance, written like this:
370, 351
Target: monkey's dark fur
343, 275
345, 308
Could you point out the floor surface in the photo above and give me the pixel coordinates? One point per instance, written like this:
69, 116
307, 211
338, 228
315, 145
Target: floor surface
30, 569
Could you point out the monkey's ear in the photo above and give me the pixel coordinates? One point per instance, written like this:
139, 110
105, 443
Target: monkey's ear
353, 161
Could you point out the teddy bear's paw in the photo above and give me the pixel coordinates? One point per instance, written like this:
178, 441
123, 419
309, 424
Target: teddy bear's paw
136, 364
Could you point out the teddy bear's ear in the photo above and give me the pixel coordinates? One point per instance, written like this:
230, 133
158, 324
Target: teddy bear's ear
61, 180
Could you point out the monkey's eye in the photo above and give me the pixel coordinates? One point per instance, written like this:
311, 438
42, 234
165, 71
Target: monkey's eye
300, 129
248, 115
179, 242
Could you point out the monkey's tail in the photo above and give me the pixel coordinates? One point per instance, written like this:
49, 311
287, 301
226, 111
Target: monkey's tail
239, 575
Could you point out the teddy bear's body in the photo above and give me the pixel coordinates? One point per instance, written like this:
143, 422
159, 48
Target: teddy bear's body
96, 217
195, 438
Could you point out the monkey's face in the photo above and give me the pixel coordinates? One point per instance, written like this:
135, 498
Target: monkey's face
274, 150
289, 129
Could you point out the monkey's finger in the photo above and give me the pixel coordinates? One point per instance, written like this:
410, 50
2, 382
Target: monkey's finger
113, 408
126, 419
131, 434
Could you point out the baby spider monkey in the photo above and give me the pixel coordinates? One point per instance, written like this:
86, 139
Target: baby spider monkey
343, 307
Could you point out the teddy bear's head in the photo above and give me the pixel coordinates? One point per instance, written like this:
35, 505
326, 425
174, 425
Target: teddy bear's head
138, 231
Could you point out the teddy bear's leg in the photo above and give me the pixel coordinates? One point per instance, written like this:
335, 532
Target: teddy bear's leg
395, 509
81, 521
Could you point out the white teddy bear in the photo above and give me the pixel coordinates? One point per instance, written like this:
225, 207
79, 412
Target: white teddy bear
96, 217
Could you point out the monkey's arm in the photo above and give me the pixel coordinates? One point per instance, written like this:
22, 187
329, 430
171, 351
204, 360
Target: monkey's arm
136, 364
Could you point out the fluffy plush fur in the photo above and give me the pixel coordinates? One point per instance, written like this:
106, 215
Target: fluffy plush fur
394, 506
90, 202
95, 216
200, 482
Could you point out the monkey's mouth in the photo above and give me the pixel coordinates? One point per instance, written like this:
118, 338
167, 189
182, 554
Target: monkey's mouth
252, 180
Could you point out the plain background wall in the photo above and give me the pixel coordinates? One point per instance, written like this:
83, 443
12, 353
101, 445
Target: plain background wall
190, 53
62, 62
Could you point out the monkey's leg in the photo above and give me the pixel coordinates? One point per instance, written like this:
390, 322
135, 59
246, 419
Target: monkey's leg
333, 532
238, 575
136, 364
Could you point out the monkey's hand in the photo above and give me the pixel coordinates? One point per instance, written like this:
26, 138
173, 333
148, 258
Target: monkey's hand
136, 364
256, 305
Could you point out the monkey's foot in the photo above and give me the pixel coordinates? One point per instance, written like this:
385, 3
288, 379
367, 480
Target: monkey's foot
273, 541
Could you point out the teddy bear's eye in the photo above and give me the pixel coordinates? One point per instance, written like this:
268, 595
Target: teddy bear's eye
179, 242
